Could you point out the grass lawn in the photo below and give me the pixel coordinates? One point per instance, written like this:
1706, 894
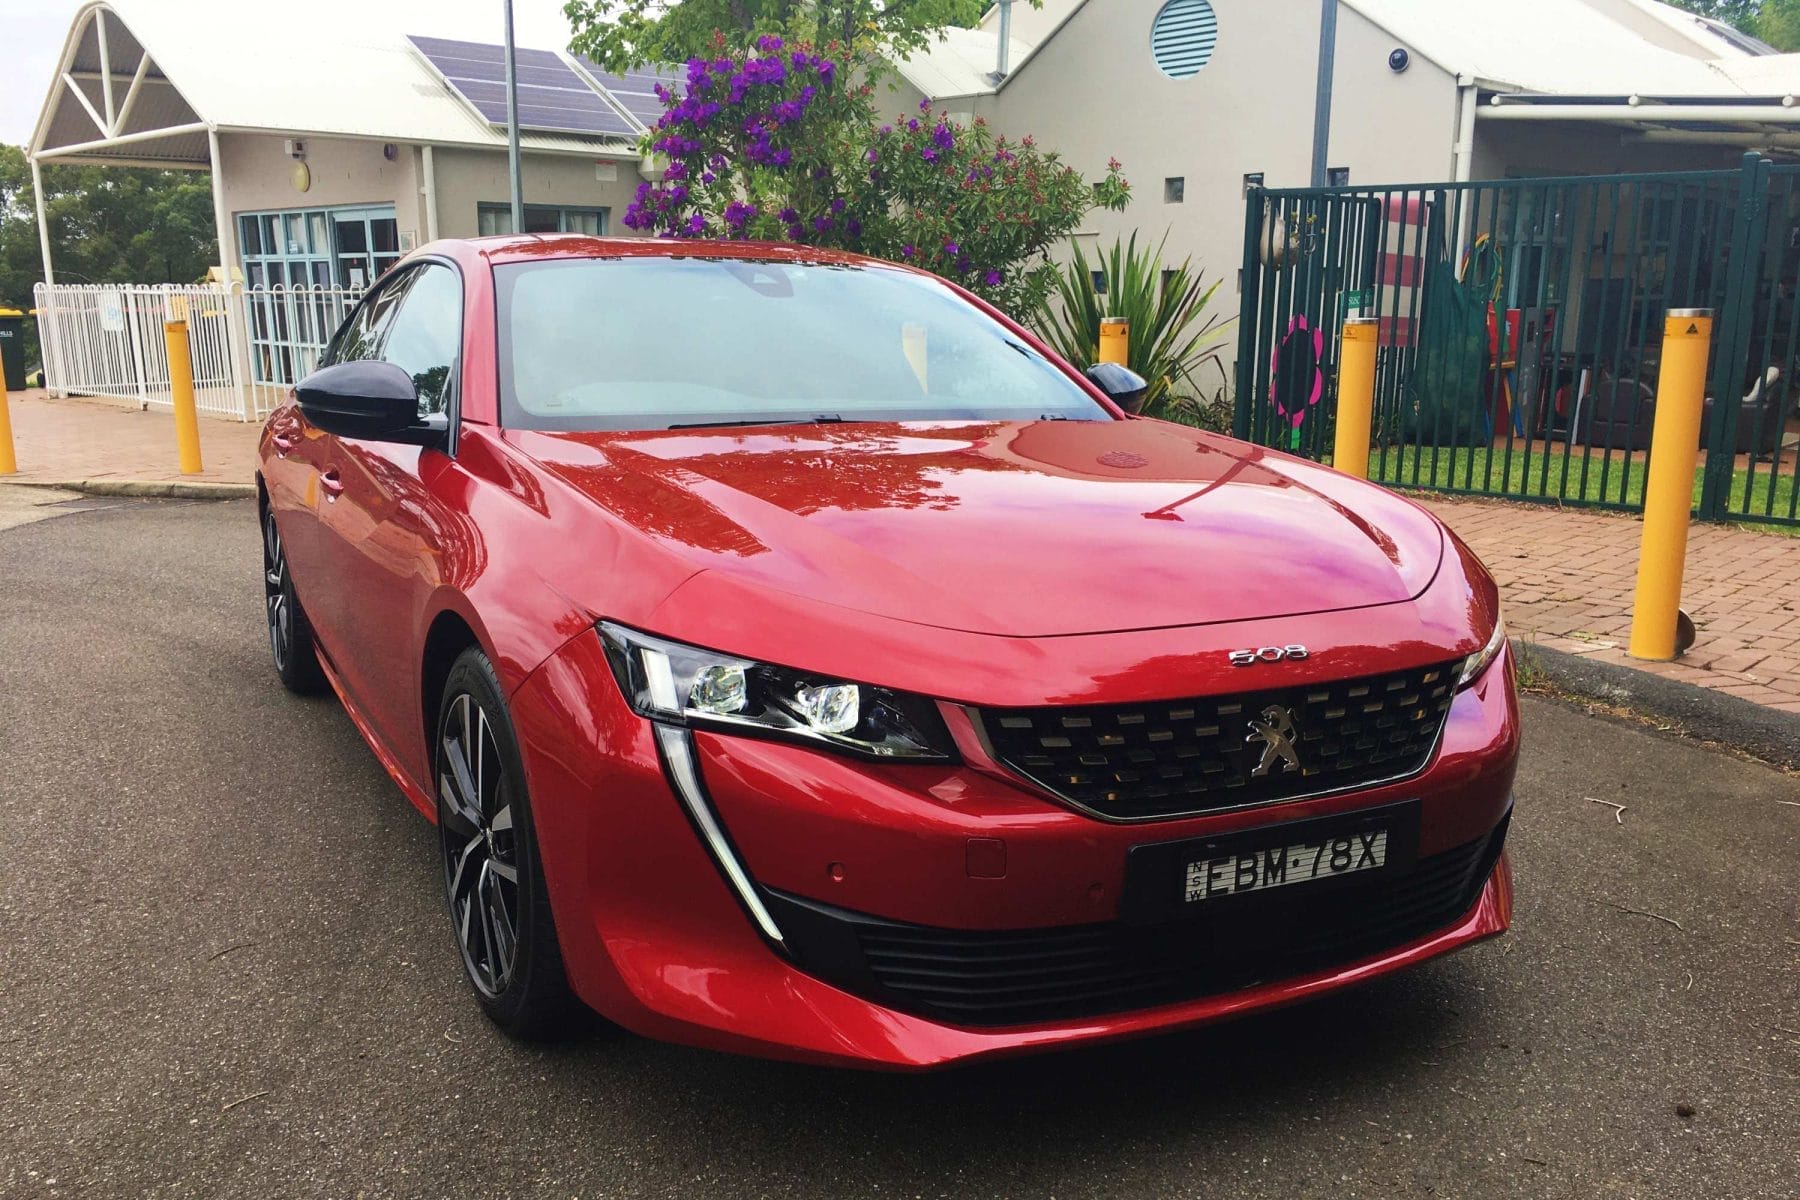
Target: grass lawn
1568, 478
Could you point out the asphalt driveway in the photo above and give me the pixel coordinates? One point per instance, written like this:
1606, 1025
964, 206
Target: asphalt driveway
224, 971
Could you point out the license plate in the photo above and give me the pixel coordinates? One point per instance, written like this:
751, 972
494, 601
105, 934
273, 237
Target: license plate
1282, 866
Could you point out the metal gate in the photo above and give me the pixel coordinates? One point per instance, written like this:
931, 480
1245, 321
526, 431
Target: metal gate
1520, 330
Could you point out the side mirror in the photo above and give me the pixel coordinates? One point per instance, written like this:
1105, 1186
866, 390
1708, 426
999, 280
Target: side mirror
367, 399
1123, 386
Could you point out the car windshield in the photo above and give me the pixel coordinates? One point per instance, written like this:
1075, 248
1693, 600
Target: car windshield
655, 343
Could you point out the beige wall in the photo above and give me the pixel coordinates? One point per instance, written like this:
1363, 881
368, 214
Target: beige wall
257, 174
1387, 127
468, 178
896, 98
1093, 92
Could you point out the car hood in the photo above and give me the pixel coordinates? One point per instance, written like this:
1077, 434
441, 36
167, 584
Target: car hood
1029, 529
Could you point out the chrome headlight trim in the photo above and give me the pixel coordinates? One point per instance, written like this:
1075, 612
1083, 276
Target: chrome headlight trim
1483, 658
677, 748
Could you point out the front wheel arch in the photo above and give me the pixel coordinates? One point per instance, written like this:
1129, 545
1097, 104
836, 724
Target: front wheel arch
445, 640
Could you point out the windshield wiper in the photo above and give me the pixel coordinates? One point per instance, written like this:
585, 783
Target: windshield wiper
821, 419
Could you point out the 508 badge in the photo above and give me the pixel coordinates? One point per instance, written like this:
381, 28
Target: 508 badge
1245, 658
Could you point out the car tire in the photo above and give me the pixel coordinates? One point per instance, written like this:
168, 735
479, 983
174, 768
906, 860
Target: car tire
290, 633
493, 878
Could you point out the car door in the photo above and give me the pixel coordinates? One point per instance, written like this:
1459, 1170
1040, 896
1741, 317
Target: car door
384, 522
313, 460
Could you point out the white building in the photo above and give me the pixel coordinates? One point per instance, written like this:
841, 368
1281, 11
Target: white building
1193, 96
334, 152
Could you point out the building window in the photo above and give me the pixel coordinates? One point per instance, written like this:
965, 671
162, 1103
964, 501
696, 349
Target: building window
542, 218
318, 247
1182, 37
1174, 189
339, 250
1337, 176
1099, 278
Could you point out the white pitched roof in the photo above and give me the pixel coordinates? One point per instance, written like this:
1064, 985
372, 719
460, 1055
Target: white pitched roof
1562, 47
961, 63
1557, 47
276, 67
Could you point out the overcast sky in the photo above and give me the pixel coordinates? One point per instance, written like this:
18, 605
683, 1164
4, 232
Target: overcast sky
32, 32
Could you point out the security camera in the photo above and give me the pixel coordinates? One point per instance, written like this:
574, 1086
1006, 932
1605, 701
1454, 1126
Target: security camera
1399, 60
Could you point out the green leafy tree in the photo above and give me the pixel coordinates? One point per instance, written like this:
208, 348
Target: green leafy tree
624, 33
107, 225
1776, 22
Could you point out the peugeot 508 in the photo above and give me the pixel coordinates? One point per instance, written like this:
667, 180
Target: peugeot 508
798, 658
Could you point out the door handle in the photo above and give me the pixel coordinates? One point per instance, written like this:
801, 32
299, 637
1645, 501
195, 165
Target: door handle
283, 443
332, 483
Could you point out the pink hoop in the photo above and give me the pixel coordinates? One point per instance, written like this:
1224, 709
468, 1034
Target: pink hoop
1298, 324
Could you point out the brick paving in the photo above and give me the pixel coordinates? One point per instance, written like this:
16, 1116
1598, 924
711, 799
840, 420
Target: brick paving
65, 440
1568, 574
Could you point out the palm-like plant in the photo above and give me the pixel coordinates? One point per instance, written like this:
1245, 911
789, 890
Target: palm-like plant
1173, 340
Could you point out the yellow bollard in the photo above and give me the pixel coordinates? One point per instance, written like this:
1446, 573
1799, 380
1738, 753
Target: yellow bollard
181, 392
1669, 492
9, 462
913, 344
1355, 395
1115, 340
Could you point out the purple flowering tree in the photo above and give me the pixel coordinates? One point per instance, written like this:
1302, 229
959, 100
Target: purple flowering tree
772, 144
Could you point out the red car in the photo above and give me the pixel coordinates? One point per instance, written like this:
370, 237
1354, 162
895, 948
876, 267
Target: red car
799, 659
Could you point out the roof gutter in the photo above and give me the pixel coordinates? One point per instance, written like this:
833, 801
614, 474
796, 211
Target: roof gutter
1781, 112
1655, 113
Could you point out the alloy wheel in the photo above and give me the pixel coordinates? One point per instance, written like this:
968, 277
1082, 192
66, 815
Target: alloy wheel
480, 844
277, 597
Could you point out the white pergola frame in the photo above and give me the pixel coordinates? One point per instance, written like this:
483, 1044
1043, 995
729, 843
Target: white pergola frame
110, 119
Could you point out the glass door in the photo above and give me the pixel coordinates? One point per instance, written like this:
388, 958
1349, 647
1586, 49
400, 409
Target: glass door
368, 243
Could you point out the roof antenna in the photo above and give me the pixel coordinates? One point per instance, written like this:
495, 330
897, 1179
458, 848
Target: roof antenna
1005, 40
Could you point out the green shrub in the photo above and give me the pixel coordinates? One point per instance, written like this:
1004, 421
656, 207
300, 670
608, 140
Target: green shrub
1175, 343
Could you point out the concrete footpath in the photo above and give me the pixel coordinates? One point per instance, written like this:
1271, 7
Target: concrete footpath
112, 442
1569, 576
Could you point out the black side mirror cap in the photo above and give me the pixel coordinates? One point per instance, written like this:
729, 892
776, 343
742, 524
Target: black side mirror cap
1123, 386
368, 399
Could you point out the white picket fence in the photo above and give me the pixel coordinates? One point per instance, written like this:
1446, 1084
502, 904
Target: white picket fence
246, 346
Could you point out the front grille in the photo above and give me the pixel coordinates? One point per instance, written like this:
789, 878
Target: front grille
1171, 758
1014, 977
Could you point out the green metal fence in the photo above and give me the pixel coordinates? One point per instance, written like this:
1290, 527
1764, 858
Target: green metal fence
1521, 325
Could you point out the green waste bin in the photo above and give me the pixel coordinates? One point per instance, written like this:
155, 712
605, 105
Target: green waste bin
12, 348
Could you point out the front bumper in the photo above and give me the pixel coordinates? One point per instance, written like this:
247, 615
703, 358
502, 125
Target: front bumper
656, 938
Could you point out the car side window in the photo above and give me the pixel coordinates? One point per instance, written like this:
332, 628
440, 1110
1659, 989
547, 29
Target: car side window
360, 338
424, 336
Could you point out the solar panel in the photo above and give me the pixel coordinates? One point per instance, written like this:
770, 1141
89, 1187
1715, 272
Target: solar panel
636, 89
552, 97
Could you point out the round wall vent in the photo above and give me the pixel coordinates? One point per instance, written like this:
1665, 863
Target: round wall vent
1182, 37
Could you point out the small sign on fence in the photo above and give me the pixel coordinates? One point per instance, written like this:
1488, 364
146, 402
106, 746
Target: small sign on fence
112, 311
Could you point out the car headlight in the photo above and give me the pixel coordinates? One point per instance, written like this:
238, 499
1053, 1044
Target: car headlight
1479, 661
685, 685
